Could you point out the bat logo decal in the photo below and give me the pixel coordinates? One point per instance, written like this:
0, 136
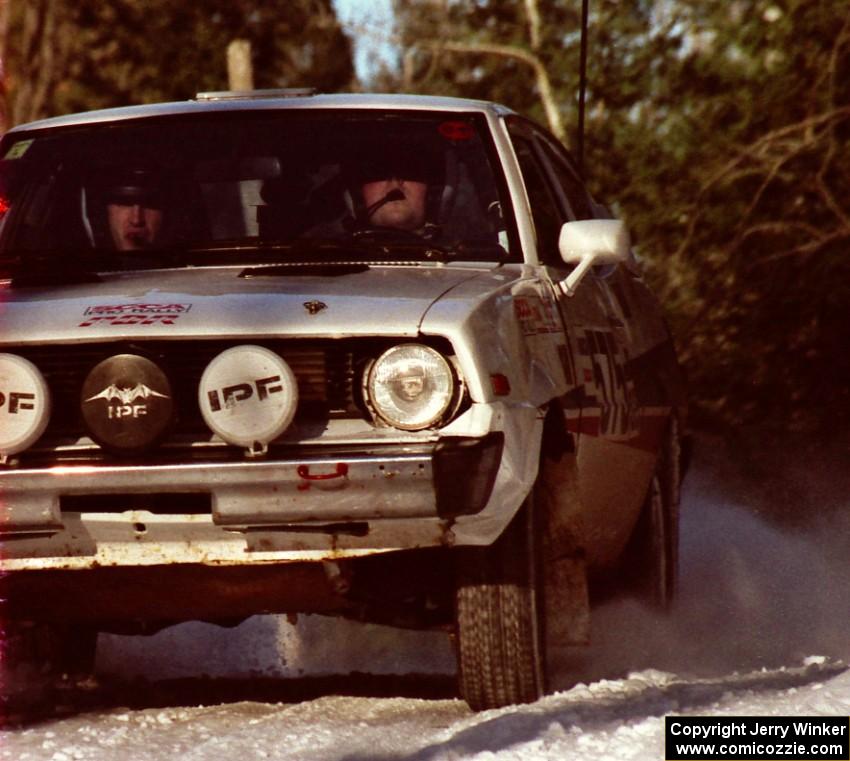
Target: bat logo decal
126, 395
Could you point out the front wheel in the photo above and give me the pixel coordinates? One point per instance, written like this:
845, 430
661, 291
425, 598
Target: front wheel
500, 619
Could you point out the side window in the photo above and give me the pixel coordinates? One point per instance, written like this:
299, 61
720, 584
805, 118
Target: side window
569, 182
544, 207
41, 204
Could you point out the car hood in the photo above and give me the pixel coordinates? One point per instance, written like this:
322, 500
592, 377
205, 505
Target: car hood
223, 302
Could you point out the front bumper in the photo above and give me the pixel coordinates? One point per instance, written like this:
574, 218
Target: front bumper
332, 503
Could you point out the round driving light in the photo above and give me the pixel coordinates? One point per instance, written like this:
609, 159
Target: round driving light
410, 386
24, 404
248, 395
127, 403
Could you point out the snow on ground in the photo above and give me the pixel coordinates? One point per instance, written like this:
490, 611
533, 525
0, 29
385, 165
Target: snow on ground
760, 629
612, 720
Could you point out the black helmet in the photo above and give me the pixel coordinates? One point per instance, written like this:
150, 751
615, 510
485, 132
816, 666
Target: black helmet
129, 184
394, 160
132, 185
415, 159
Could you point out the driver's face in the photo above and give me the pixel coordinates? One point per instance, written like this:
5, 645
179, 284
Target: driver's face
407, 213
133, 226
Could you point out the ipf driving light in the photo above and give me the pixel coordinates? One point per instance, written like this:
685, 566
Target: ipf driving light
24, 404
248, 395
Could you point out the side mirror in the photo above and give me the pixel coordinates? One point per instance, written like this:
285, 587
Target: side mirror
590, 242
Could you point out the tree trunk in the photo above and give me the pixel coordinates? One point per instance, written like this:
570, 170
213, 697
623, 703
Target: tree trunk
41, 55
240, 72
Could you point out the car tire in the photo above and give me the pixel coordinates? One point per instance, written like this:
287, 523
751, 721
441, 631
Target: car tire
653, 554
499, 618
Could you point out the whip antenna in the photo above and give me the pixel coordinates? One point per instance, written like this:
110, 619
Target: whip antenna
582, 84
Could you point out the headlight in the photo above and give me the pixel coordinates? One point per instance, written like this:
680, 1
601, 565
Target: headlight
410, 386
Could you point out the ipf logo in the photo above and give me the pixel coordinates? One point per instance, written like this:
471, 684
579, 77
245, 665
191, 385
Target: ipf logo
123, 402
15, 401
229, 396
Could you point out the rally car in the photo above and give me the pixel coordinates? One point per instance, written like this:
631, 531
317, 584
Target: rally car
381, 357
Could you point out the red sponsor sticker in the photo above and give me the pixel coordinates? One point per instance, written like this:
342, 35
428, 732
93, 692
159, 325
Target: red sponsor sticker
535, 316
457, 130
133, 314
129, 319
118, 309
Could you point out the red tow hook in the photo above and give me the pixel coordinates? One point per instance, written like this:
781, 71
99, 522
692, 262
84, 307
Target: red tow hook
304, 473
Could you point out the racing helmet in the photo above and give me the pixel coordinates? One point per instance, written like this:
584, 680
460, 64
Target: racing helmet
131, 184
411, 159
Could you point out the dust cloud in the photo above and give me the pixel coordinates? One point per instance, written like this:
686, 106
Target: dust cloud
765, 583
765, 577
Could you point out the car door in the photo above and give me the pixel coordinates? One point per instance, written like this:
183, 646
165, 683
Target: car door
601, 405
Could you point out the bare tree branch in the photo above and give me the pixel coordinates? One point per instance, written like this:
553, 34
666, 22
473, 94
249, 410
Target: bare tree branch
436, 47
804, 250
765, 157
833, 149
783, 228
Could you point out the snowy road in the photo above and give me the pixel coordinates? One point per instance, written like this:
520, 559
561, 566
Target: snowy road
760, 629
617, 719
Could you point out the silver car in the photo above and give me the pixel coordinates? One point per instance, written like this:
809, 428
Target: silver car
380, 357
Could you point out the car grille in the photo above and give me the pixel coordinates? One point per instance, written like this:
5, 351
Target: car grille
324, 371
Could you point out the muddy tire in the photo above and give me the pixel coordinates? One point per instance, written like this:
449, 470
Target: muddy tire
501, 654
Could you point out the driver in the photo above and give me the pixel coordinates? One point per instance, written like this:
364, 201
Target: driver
135, 209
134, 225
395, 202
394, 187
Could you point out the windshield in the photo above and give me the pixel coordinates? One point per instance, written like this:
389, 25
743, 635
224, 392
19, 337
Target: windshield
255, 186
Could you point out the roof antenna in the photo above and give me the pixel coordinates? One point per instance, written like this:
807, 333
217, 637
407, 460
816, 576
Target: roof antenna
582, 85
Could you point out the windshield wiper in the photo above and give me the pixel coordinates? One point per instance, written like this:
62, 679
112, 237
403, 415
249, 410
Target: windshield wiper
316, 269
309, 250
369, 246
261, 251
413, 244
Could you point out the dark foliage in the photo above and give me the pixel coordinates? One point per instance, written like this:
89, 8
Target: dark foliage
719, 130
72, 55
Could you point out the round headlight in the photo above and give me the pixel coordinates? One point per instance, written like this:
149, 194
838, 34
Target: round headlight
411, 386
24, 404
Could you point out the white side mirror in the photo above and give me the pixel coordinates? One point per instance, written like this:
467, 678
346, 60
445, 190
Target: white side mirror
590, 242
